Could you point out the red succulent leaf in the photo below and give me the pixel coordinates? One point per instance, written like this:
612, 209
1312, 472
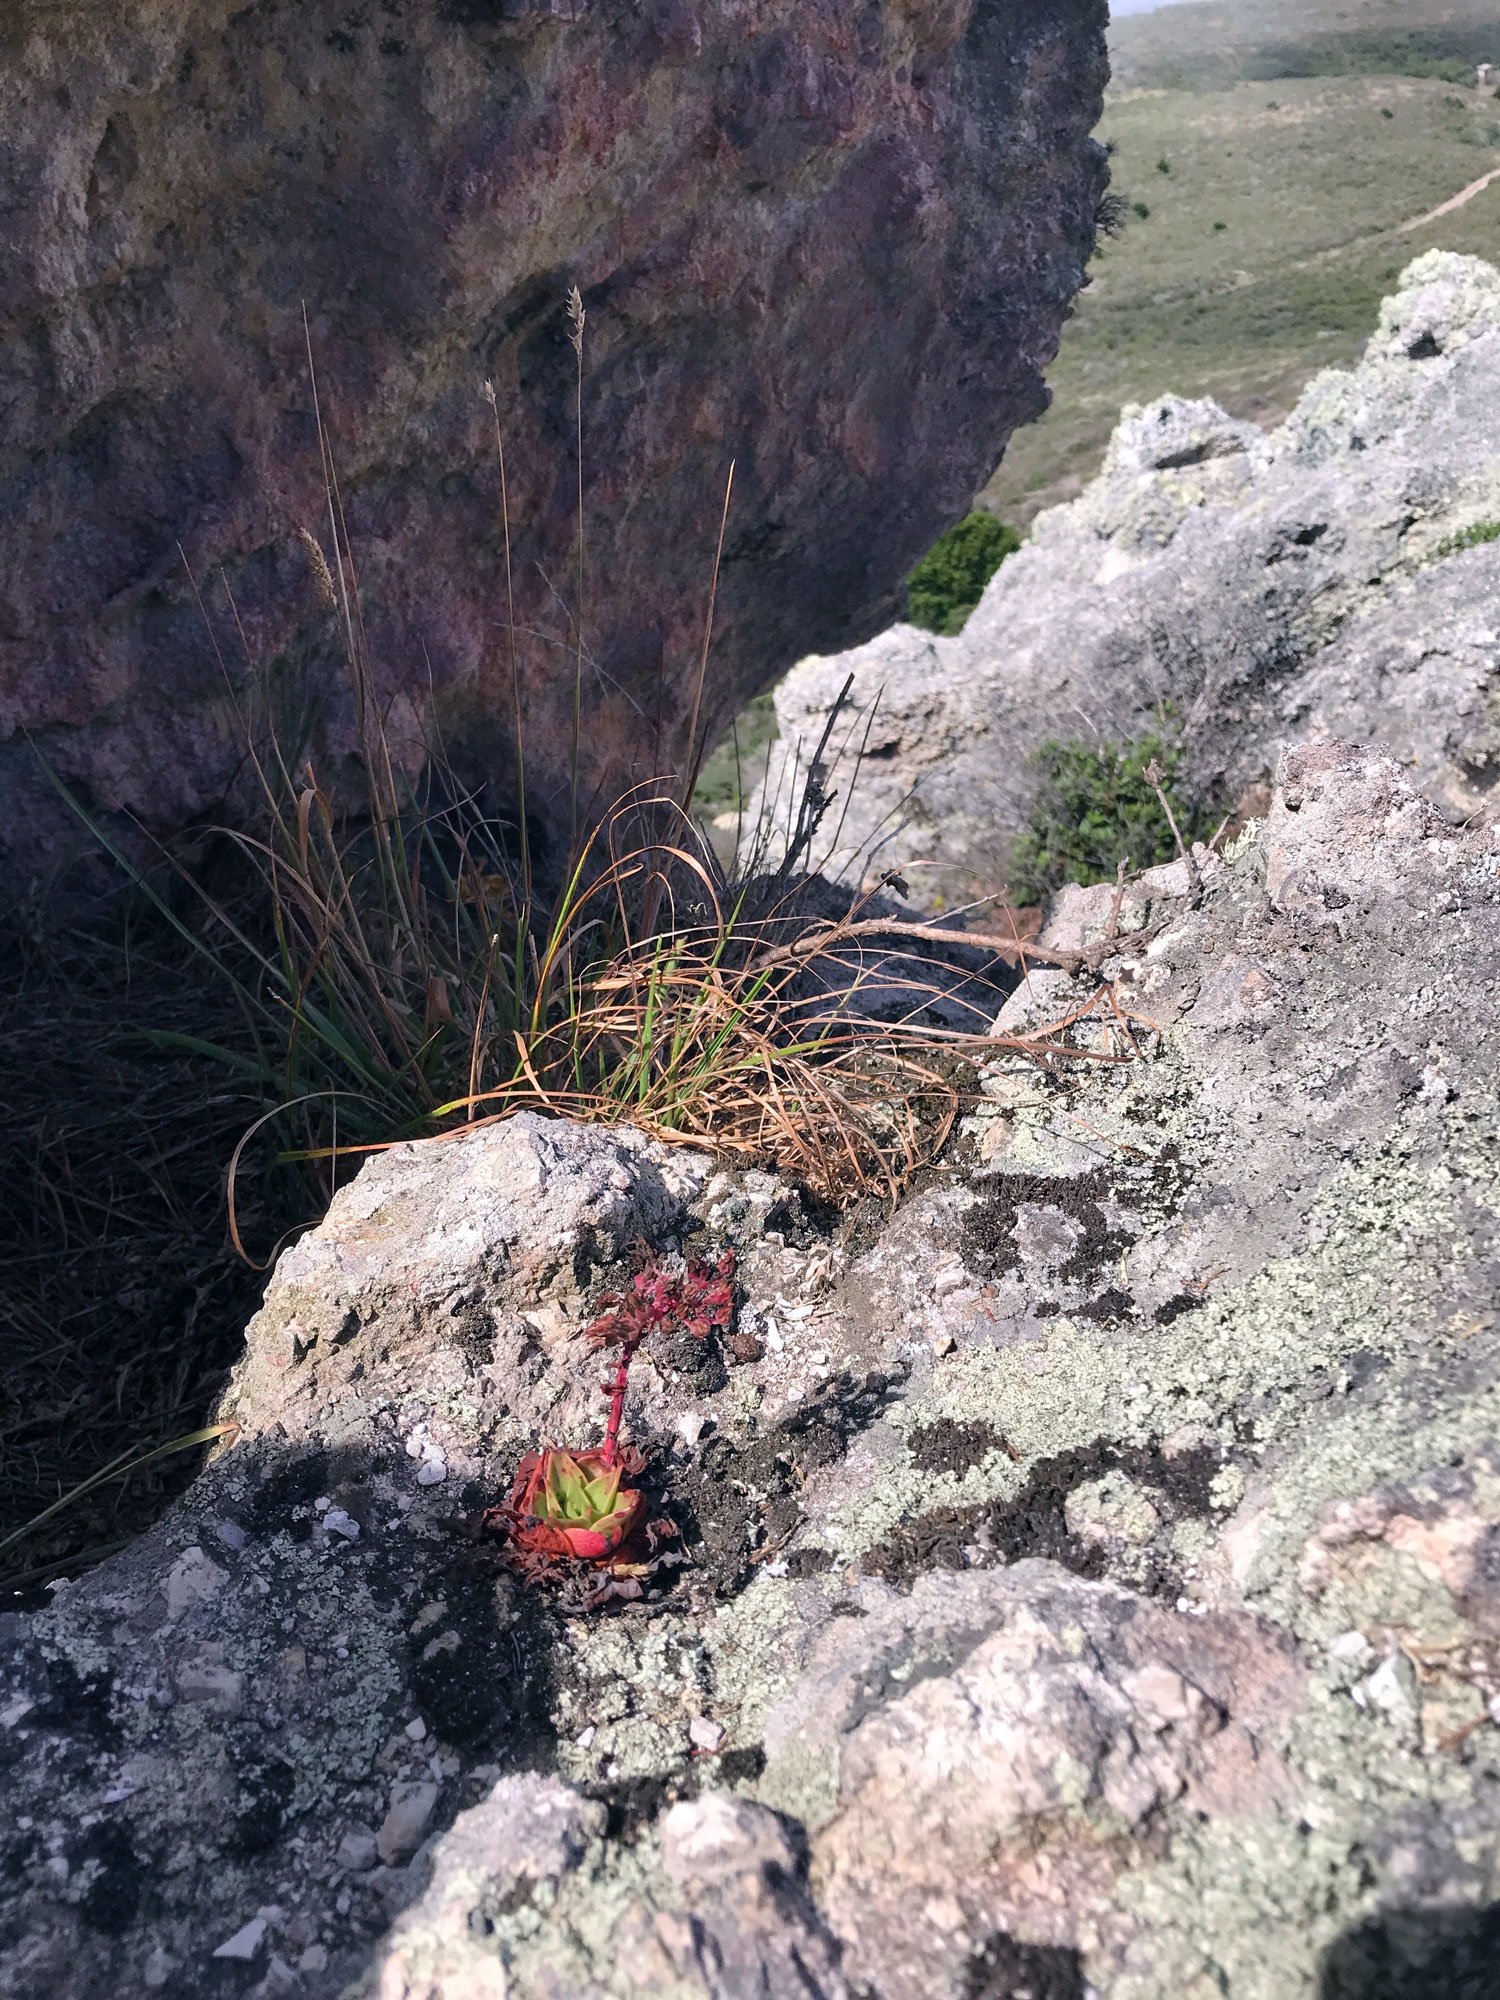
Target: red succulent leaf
570, 1511
571, 1505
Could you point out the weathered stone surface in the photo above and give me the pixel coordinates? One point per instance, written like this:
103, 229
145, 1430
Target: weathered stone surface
1270, 588
833, 240
1093, 1582
1052, 1701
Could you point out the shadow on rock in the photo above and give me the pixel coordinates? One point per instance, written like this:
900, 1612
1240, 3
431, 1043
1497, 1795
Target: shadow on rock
1007, 1969
233, 1765
1416, 1955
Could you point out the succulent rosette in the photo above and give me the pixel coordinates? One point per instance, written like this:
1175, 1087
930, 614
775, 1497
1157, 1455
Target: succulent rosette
569, 1519
573, 1503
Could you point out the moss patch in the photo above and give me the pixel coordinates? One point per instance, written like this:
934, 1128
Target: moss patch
1473, 537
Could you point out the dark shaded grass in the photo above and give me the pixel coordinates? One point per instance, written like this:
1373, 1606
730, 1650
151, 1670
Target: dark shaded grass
122, 1302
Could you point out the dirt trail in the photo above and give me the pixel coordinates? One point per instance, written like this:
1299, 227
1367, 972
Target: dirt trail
1459, 200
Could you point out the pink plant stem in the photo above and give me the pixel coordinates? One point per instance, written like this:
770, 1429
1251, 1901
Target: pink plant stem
610, 1450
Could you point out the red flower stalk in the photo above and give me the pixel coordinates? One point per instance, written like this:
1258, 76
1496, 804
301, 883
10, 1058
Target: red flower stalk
570, 1512
695, 1301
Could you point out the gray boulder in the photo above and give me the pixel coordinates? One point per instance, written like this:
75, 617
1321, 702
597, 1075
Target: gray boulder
1092, 1580
1244, 590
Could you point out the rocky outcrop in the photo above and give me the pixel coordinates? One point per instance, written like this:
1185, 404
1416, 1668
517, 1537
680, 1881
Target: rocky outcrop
833, 242
1091, 1580
1242, 590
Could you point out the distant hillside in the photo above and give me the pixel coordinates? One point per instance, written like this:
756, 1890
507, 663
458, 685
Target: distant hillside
1219, 42
1272, 193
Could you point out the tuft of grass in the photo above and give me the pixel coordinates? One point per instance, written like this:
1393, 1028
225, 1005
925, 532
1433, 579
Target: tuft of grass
1473, 537
389, 960
950, 579
1097, 808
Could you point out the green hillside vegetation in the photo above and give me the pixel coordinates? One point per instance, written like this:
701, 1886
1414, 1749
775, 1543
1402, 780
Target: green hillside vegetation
949, 581
1266, 248
1218, 42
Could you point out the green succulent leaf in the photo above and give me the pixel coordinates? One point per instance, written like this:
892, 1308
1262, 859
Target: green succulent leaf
575, 1495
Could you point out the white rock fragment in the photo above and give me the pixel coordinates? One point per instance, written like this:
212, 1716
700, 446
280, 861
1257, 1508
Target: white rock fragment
401, 1831
15, 1711
1352, 1646
337, 1522
193, 1579
416, 1729
705, 1734
1387, 1690
357, 1852
707, 1841
431, 1472
246, 1942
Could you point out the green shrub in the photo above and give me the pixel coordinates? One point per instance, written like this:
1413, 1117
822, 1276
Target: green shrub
1446, 53
1473, 537
1095, 809
1164, 165
949, 580
1140, 209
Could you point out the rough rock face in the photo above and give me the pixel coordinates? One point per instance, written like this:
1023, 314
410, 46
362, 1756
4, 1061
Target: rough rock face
835, 242
1271, 588
1093, 1581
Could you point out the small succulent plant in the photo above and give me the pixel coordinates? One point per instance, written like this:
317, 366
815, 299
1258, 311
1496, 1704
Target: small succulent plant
573, 1504
570, 1516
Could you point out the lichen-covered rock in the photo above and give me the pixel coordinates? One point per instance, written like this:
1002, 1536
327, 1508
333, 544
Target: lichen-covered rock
999, 1785
1260, 589
834, 241
456, 1274
1092, 1584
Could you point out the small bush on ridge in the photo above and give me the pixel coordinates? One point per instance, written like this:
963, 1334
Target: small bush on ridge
949, 581
1094, 809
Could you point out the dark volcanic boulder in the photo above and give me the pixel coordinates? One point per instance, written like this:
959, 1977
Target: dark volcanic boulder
834, 240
